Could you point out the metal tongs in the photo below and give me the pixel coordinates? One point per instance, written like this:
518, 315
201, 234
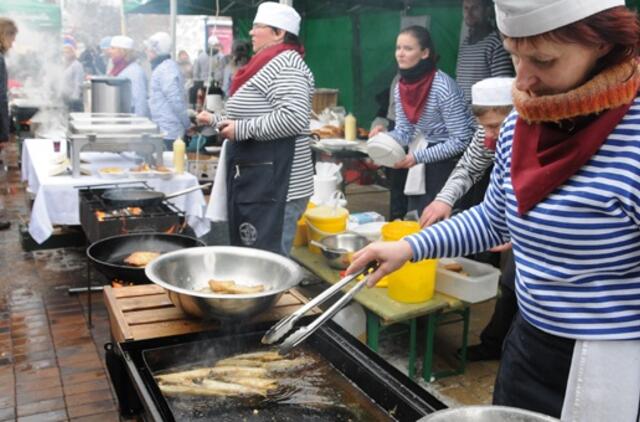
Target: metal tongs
286, 324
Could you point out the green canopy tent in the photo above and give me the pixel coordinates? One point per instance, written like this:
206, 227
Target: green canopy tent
38, 14
349, 45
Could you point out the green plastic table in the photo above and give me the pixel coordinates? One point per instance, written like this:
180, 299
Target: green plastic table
383, 311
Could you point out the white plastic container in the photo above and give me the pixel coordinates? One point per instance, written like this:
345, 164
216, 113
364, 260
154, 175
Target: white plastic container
479, 285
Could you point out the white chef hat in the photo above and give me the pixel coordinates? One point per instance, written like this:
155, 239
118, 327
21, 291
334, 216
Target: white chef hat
518, 18
122, 41
279, 16
159, 43
492, 92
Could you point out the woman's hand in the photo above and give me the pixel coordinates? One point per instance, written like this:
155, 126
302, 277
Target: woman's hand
436, 211
407, 162
204, 118
376, 130
501, 248
390, 256
227, 129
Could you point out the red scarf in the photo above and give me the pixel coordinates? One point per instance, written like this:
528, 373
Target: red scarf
414, 95
256, 63
118, 66
490, 143
544, 157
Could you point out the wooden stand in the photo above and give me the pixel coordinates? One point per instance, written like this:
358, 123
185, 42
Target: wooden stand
144, 311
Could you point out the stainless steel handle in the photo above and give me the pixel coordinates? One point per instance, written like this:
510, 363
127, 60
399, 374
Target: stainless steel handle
185, 191
299, 336
285, 325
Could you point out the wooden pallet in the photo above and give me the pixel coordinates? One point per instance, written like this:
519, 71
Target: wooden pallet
145, 311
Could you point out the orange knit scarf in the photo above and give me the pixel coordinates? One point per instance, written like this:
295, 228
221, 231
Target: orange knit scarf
613, 87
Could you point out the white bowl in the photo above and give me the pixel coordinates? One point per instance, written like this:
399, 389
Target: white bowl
142, 174
212, 149
384, 150
120, 175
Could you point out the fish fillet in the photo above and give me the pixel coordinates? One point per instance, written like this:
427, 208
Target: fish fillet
239, 362
178, 377
232, 389
261, 383
266, 356
230, 287
287, 365
238, 371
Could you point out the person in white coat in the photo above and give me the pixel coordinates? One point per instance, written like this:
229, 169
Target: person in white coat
167, 98
126, 66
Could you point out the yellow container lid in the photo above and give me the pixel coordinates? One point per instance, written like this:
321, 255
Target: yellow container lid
326, 215
396, 230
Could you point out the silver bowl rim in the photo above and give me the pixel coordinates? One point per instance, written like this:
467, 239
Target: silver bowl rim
484, 407
287, 262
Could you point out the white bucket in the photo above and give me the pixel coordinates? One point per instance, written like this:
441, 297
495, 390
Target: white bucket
324, 187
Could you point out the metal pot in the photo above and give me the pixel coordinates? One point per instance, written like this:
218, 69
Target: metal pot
487, 414
187, 272
338, 249
110, 95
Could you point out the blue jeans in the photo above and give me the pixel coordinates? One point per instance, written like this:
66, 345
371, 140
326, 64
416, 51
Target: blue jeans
293, 210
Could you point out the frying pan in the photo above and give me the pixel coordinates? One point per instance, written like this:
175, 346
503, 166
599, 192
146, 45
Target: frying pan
139, 197
108, 254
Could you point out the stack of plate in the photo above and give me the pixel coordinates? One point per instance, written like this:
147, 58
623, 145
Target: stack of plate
384, 150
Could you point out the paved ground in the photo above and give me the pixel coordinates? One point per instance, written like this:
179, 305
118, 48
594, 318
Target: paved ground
52, 365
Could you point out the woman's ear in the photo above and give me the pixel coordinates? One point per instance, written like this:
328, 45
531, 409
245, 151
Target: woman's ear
604, 49
280, 33
425, 54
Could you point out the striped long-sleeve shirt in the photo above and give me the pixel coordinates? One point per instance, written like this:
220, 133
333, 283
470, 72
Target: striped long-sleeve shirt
577, 251
276, 103
446, 122
470, 168
486, 58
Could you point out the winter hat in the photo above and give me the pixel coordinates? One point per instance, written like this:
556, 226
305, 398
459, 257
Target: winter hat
279, 16
492, 92
159, 43
105, 43
518, 18
122, 41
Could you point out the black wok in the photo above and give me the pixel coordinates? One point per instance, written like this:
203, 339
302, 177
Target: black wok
108, 254
139, 197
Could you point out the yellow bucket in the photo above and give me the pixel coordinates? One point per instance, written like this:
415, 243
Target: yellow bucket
301, 238
414, 282
323, 221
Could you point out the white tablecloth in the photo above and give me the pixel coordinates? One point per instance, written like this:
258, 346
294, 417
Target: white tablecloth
56, 200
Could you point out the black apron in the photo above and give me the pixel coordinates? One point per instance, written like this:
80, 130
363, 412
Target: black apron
257, 185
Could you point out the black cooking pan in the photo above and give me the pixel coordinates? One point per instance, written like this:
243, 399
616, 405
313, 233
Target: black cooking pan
108, 254
139, 197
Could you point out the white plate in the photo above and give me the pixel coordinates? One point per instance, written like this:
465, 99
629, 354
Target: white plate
384, 150
119, 175
212, 149
165, 175
142, 174
337, 143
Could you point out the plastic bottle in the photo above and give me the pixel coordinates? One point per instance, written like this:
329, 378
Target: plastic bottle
350, 127
178, 156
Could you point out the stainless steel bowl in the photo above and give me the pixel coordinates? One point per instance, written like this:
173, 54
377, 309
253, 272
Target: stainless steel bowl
487, 414
185, 272
338, 249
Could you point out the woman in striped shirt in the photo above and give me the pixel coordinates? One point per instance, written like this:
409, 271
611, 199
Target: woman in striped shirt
564, 190
270, 172
428, 103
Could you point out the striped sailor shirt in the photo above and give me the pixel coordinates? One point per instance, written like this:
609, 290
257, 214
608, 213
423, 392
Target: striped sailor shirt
470, 168
577, 252
276, 103
484, 59
446, 122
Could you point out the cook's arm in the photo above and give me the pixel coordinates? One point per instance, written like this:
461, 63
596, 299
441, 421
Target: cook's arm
470, 168
173, 91
404, 130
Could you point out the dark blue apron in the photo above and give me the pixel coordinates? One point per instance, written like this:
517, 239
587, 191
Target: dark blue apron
257, 184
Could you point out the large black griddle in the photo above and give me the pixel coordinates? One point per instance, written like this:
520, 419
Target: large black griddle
108, 254
380, 384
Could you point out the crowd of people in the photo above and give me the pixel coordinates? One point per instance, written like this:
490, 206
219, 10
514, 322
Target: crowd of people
530, 150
